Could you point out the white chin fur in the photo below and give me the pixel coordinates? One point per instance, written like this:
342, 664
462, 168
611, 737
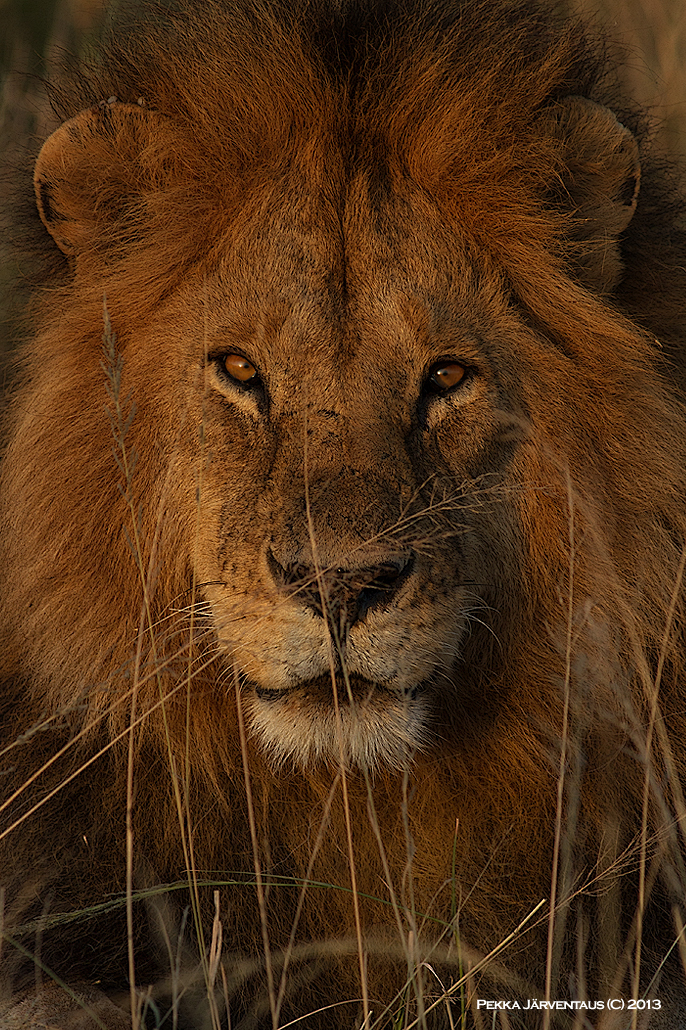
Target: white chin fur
380, 730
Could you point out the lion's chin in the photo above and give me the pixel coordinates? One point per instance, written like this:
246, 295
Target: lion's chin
365, 725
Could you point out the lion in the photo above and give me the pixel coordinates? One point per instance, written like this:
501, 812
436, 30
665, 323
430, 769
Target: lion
343, 532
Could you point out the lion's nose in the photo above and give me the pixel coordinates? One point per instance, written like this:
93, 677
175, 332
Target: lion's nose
344, 596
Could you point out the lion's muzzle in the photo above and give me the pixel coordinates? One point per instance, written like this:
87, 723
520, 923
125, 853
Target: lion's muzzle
342, 595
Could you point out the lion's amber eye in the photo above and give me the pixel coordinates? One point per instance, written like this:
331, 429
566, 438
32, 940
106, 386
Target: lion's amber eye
445, 375
239, 367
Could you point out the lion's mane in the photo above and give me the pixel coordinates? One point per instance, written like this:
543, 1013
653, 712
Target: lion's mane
554, 750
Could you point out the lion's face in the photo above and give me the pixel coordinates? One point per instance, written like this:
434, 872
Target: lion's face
352, 405
343, 412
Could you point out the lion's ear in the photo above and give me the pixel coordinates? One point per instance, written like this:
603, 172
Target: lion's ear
599, 177
87, 171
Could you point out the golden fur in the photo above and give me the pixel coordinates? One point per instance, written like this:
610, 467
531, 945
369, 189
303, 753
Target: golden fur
363, 669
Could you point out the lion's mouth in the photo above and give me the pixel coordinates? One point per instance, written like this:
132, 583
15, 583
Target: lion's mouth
347, 720
341, 690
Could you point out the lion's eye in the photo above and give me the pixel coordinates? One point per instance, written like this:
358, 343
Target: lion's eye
445, 375
239, 368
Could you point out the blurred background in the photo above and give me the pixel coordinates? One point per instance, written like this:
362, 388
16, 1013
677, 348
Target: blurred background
652, 34
37, 35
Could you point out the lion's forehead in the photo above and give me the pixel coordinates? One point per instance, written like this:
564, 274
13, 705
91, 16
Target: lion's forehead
344, 304
393, 258
348, 222
318, 325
